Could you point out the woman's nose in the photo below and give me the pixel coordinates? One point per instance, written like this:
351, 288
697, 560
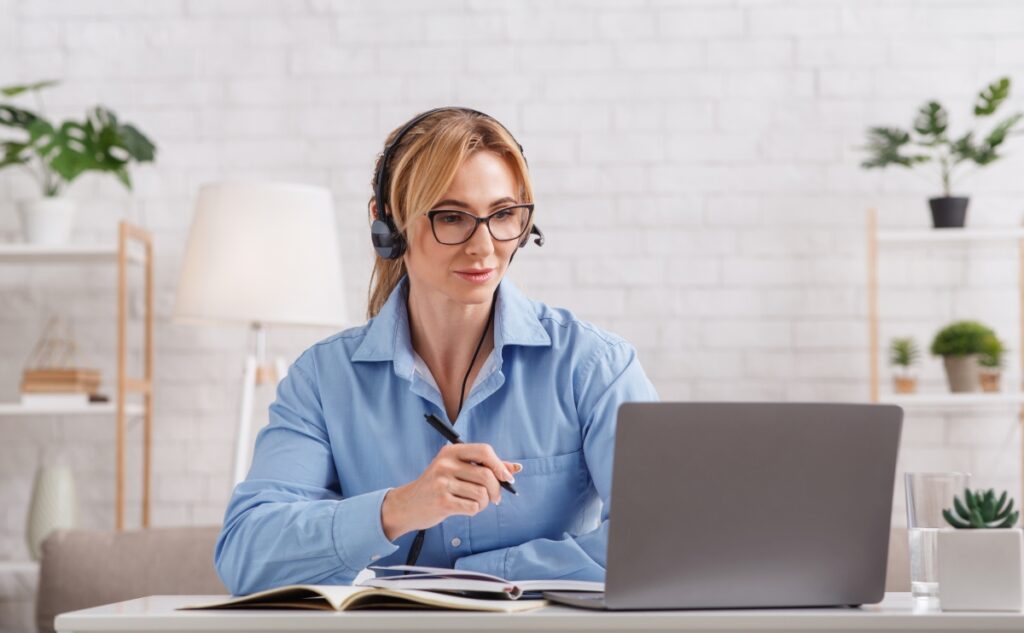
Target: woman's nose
481, 240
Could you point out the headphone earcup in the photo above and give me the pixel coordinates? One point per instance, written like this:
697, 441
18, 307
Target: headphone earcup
387, 241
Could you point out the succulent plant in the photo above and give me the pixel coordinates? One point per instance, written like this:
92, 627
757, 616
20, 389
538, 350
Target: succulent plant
981, 509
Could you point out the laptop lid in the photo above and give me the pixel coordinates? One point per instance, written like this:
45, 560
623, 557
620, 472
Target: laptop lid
733, 505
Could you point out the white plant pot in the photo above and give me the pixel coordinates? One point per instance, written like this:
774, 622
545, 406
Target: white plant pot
46, 220
980, 570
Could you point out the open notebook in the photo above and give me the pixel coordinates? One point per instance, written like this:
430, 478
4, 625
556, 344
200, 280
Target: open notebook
460, 580
421, 587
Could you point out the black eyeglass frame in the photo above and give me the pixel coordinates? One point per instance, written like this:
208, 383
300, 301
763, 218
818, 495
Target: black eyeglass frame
481, 220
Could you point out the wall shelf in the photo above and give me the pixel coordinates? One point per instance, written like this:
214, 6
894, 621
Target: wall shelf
926, 236
134, 246
1013, 235
65, 254
944, 400
97, 408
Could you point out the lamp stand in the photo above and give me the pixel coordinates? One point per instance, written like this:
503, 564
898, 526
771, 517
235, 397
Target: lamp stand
258, 371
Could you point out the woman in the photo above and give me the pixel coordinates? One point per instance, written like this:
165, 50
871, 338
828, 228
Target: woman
348, 473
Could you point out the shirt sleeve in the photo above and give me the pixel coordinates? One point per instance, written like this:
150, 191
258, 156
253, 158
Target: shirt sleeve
288, 522
611, 377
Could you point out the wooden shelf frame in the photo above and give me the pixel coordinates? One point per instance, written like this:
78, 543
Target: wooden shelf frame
134, 247
874, 238
125, 384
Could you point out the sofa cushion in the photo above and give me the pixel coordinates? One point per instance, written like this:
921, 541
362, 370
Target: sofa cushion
87, 568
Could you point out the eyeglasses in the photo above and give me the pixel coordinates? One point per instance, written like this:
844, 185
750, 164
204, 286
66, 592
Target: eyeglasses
455, 227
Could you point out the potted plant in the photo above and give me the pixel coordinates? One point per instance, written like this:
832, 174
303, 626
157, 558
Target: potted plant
959, 345
979, 558
55, 155
930, 140
991, 362
903, 355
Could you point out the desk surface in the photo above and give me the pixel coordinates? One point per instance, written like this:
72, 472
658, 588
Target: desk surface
898, 612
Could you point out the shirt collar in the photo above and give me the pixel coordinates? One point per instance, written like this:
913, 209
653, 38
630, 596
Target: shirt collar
388, 339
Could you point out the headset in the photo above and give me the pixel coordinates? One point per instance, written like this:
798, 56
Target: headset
387, 240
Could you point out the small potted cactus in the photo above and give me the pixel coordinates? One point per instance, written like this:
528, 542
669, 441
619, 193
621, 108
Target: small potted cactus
991, 362
903, 355
980, 557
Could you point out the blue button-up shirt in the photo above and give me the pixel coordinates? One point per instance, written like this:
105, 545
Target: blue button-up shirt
347, 425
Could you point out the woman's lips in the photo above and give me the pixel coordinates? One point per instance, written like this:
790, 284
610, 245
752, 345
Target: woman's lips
476, 277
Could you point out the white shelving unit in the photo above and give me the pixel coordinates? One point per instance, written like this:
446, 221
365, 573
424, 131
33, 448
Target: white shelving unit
1014, 398
134, 246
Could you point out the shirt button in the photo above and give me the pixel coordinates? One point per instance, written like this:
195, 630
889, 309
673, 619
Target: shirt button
456, 542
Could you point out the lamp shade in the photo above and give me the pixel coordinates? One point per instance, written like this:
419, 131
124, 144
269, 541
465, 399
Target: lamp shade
262, 253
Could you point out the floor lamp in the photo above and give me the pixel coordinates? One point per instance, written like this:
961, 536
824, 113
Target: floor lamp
261, 254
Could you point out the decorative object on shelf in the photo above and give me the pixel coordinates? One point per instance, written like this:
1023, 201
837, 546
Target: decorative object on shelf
57, 154
980, 561
959, 344
51, 377
903, 355
933, 143
991, 361
261, 253
54, 504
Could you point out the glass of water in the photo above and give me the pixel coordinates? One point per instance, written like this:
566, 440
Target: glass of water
927, 495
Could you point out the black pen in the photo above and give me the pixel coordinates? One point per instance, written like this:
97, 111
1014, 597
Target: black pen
449, 434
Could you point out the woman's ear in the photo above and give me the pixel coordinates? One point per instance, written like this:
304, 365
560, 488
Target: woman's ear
372, 206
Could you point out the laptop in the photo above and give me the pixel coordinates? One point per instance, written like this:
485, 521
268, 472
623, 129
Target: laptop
748, 505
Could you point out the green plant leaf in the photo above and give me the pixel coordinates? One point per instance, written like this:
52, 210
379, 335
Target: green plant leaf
1010, 520
988, 506
960, 509
1000, 503
1006, 511
12, 154
932, 121
138, 145
992, 96
976, 519
955, 522
16, 117
999, 132
13, 91
884, 145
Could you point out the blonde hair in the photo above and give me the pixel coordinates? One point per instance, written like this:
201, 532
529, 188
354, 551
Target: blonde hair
422, 168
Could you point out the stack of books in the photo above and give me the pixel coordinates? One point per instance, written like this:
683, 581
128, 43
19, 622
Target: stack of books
71, 386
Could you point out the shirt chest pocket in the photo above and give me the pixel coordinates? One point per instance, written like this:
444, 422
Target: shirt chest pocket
552, 495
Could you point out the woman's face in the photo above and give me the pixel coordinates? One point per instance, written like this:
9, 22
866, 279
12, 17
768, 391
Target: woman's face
483, 184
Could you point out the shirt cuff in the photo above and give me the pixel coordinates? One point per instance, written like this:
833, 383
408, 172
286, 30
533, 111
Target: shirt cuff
358, 535
494, 562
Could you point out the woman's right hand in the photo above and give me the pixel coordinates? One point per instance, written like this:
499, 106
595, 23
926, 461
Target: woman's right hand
462, 479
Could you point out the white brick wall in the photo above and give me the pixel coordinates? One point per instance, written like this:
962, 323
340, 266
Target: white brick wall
696, 168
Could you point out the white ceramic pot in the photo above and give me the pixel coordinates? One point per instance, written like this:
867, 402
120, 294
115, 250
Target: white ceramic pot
980, 570
54, 505
46, 220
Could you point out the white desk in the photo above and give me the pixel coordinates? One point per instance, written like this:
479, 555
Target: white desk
898, 612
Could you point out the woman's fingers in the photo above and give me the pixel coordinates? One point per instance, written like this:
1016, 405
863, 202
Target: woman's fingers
466, 491
482, 476
484, 455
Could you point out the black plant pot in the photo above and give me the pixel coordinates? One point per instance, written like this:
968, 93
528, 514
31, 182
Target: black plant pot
949, 213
